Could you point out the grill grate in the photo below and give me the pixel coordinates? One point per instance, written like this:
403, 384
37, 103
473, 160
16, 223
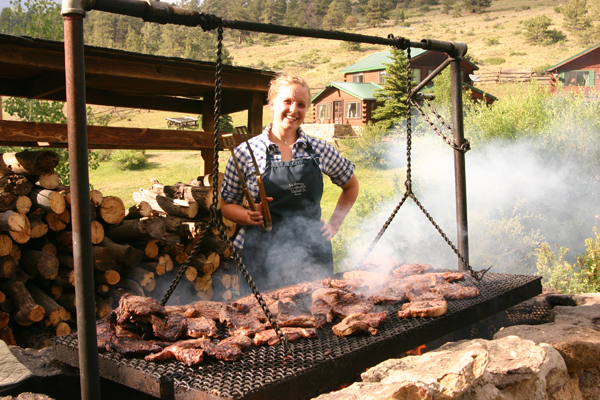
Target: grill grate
314, 366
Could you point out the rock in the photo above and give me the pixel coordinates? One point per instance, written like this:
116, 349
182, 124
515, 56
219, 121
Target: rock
28, 396
579, 345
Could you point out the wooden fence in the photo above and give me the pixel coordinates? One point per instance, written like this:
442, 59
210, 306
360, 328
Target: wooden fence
511, 76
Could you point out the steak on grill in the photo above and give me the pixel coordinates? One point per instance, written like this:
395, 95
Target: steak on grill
270, 337
456, 292
188, 352
410, 269
132, 305
359, 322
350, 304
201, 327
427, 305
241, 324
169, 328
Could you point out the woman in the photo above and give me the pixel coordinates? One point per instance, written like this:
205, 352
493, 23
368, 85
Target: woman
298, 247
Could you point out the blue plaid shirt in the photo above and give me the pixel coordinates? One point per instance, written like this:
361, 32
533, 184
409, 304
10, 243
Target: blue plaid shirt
331, 162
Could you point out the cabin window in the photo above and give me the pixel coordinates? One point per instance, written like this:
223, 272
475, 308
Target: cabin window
323, 111
382, 76
358, 78
416, 75
577, 78
353, 109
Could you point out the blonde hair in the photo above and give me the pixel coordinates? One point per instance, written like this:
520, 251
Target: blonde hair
283, 80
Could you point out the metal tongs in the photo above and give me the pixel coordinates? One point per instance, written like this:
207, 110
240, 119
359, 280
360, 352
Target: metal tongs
244, 134
229, 142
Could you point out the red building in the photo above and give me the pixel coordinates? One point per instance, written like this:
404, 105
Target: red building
352, 101
580, 72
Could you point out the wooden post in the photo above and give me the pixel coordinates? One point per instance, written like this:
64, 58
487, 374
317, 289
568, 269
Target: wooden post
255, 113
208, 125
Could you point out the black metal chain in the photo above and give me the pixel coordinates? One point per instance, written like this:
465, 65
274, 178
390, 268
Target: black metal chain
478, 275
215, 221
465, 145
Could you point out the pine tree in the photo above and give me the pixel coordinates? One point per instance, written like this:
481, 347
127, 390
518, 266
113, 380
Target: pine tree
392, 97
376, 12
336, 15
476, 6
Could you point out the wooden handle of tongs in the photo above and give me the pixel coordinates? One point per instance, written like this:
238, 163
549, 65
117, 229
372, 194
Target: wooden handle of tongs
252, 205
265, 204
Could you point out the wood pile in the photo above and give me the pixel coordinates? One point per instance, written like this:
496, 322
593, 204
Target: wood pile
137, 250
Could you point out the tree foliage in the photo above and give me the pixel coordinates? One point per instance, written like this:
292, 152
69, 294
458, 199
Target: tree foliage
579, 21
391, 99
537, 32
476, 6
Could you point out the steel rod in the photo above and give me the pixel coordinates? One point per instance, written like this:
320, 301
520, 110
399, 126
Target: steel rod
165, 13
459, 163
80, 207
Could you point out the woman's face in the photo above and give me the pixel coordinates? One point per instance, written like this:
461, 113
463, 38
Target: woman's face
289, 107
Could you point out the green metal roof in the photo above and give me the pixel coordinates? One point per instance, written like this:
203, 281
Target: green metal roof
572, 58
362, 91
473, 88
377, 61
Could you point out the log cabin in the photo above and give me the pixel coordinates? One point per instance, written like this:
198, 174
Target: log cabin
580, 72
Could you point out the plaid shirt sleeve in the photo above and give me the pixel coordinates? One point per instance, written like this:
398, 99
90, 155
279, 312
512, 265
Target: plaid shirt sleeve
331, 162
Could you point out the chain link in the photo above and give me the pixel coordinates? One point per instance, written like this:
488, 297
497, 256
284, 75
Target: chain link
215, 220
477, 275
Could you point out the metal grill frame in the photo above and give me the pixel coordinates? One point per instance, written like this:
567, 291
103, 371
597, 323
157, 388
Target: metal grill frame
315, 366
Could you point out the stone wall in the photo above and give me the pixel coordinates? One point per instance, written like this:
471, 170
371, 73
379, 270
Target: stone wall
329, 131
559, 360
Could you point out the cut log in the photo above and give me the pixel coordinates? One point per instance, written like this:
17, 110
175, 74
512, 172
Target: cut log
198, 262
104, 258
4, 319
110, 277
67, 300
8, 266
23, 204
112, 210
62, 329
211, 244
13, 221
7, 201
65, 191
41, 244
65, 260
149, 248
2, 297
50, 180
143, 277
96, 198
28, 311
53, 312
65, 278
126, 285
6, 245
180, 208
15, 184
124, 253
160, 267
63, 240
97, 232
15, 252
58, 221
139, 210
28, 162
207, 180
212, 263
191, 273
22, 236
47, 200
39, 263
103, 307
169, 239
203, 283
136, 229
38, 228
103, 289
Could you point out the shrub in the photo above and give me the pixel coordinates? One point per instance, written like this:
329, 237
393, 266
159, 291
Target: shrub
129, 159
582, 277
492, 41
104, 155
369, 149
495, 60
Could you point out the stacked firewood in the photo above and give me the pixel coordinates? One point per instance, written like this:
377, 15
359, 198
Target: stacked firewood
137, 250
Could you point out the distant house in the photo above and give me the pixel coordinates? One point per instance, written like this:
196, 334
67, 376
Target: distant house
579, 72
353, 101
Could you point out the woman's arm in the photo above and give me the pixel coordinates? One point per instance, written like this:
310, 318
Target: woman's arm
241, 215
343, 206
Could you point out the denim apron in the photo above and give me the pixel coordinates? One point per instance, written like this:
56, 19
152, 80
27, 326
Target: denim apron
294, 250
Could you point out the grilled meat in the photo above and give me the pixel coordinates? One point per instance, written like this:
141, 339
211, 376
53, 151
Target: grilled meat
133, 347
170, 328
201, 327
410, 269
188, 352
424, 306
207, 309
241, 324
121, 331
350, 304
221, 352
104, 332
456, 292
359, 322
270, 337
388, 296
241, 341
131, 305
453, 276
369, 278
328, 295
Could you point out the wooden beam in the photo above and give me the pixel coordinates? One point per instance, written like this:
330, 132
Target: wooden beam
16, 133
255, 113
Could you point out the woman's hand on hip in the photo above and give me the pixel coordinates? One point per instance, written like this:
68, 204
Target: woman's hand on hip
328, 230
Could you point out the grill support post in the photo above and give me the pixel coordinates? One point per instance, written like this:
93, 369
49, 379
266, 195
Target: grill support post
80, 200
459, 163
